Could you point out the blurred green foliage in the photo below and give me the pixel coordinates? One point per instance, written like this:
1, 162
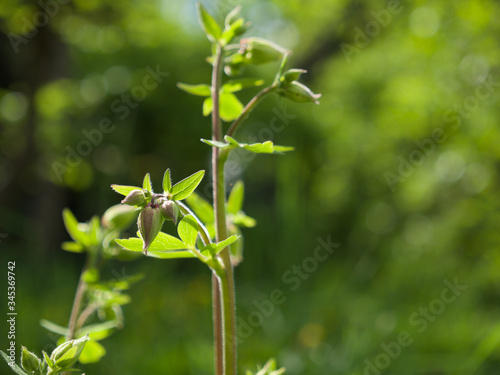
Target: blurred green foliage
399, 165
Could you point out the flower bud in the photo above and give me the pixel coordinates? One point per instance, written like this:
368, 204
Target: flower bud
261, 51
135, 198
170, 210
29, 361
293, 75
297, 92
66, 354
119, 217
149, 222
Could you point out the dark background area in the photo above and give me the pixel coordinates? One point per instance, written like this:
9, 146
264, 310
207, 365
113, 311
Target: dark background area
399, 165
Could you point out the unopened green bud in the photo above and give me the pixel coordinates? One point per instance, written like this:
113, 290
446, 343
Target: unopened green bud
61, 350
29, 361
119, 216
293, 75
261, 51
297, 92
170, 210
66, 354
135, 198
149, 222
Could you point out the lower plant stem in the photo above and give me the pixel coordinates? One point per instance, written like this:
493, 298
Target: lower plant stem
225, 279
75, 310
217, 317
77, 303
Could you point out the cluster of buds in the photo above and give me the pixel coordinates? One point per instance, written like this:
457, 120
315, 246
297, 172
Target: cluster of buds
253, 51
155, 209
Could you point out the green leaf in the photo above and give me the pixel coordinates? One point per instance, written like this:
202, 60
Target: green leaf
101, 330
71, 225
218, 144
146, 184
232, 16
207, 106
240, 84
13, 366
124, 190
209, 25
91, 275
53, 327
94, 230
188, 231
235, 200
162, 242
237, 28
203, 209
243, 220
215, 248
73, 247
119, 216
184, 188
198, 90
92, 352
236, 248
267, 147
230, 107
48, 360
167, 181
171, 254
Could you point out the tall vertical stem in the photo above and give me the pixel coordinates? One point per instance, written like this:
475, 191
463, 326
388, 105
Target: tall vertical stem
226, 279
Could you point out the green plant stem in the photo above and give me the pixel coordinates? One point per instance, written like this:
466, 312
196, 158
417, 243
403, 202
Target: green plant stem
77, 303
219, 346
225, 279
249, 107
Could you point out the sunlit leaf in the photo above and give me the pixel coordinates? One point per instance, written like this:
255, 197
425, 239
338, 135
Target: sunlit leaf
188, 230
184, 188
199, 90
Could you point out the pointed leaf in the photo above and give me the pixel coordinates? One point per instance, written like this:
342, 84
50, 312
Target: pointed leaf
167, 181
207, 106
198, 90
201, 208
188, 230
236, 248
230, 107
235, 200
71, 225
232, 16
171, 254
242, 220
214, 249
73, 247
240, 84
53, 327
184, 188
92, 329
209, 25
14, 367
267, 147
162, 242
124, 190
146, 184
48, 360
218, 144
92, 352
